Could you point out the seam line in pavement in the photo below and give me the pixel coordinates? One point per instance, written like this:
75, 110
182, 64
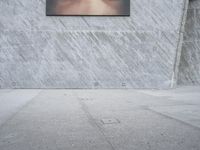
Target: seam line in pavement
94, 124
20, 108
172, 118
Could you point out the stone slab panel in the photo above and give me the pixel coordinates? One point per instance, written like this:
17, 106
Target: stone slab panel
139, 51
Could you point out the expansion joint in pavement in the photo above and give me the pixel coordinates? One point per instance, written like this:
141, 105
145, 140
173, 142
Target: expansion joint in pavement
93, 122
172, 118
21, 108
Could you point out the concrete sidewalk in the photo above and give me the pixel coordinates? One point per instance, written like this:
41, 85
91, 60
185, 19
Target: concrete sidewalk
100, 119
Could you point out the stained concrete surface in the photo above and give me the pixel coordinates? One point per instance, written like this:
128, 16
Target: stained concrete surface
100, 119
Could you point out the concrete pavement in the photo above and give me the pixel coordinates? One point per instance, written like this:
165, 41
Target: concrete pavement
100, 119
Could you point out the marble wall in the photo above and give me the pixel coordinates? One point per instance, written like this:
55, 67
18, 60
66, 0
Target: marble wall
189, 70
140, 51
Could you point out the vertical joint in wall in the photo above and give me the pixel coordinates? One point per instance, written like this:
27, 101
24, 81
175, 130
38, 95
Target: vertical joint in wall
180, 43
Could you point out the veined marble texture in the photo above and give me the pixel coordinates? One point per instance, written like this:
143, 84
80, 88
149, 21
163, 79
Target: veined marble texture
189, 69
140, 51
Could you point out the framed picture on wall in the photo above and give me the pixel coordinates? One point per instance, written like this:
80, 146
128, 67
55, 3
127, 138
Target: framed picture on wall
88, 7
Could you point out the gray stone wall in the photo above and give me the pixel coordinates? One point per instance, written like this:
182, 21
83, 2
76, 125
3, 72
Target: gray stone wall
139, 51
189, 70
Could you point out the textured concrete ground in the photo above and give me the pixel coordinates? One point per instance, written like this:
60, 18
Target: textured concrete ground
100, 119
